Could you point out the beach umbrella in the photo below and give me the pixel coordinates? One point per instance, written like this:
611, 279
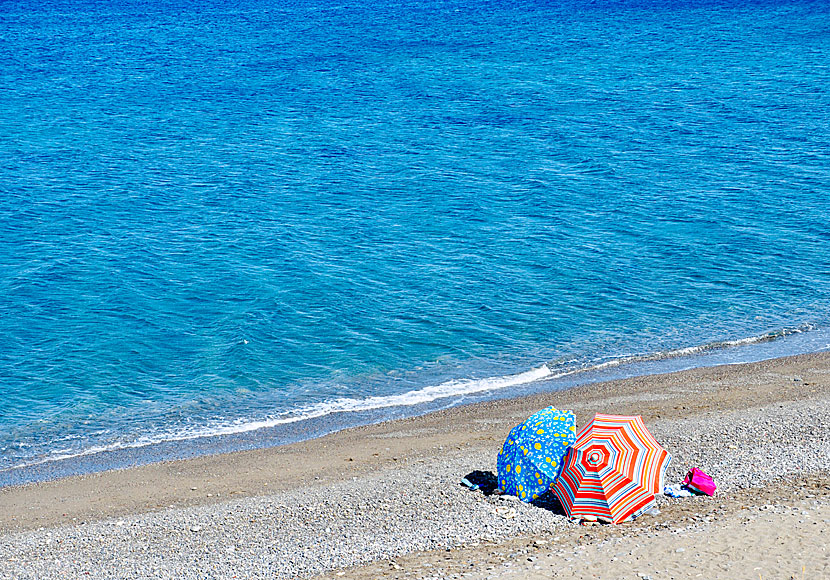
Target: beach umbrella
613, 470
531, 457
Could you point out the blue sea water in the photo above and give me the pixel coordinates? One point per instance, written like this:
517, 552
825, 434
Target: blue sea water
284, 218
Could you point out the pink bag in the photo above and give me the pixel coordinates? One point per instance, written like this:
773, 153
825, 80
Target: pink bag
698, 482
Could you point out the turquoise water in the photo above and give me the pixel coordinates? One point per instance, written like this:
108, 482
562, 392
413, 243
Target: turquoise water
219, 217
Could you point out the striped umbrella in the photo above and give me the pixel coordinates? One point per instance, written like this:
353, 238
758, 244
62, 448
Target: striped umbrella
613, 470
531, 457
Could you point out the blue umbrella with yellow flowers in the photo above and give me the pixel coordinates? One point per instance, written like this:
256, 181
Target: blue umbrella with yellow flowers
531, 457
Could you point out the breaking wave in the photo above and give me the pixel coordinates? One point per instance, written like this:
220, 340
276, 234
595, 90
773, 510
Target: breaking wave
457, 388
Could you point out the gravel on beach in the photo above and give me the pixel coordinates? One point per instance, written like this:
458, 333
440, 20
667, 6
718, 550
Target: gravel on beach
416, 505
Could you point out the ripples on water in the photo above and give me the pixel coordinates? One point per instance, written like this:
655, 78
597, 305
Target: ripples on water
219, 215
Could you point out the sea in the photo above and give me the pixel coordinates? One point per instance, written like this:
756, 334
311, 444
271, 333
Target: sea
231, 225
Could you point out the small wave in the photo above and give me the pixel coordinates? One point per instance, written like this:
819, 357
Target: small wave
690, 350
453, 388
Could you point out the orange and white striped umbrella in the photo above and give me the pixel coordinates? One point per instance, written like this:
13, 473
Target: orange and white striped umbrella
613, 470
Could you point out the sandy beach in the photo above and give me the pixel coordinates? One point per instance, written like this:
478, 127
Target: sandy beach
384, 501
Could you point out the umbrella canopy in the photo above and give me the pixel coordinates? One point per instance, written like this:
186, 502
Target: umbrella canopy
613, 470
531, 457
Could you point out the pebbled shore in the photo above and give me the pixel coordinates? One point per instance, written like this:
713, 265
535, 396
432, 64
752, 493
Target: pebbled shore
385, 500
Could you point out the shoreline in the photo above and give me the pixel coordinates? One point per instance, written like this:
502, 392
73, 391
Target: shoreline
391, 490
529, 382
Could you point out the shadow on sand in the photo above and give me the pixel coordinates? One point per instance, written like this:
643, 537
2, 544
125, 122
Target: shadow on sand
487, 483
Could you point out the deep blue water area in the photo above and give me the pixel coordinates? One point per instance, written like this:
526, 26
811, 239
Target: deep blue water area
217, 217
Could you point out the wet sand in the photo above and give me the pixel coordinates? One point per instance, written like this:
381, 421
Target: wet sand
384, 500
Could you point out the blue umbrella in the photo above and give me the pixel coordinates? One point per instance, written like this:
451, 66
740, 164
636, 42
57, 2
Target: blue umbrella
531, 457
